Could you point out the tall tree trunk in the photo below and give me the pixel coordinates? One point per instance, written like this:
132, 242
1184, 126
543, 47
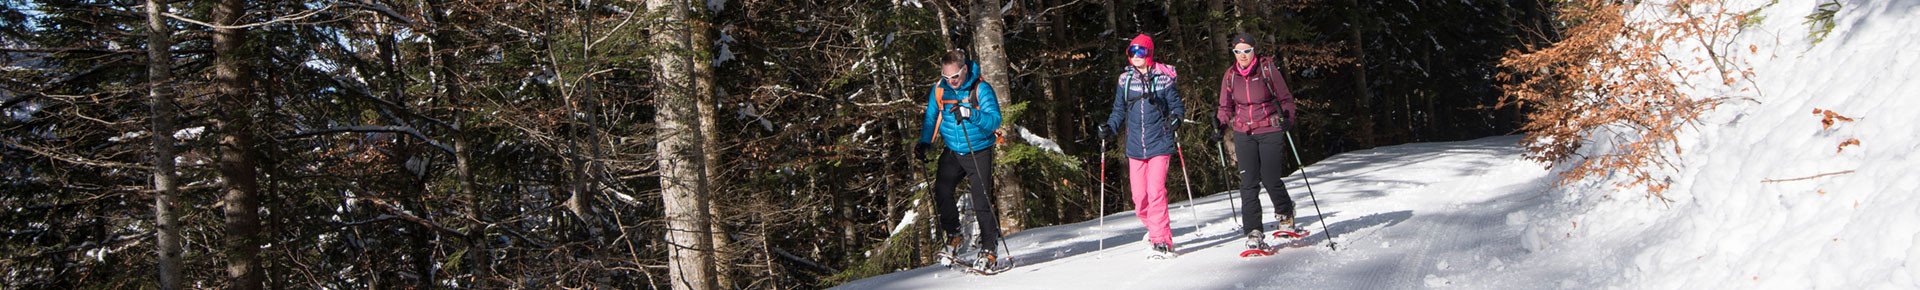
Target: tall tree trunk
1113, 25
475, 208
423, 239
1354, 14
445, 61
946, 33
701, 39
679, 152
1046, 30
991, 49
1172, 33
237, 161
160, 97
1058, 95
1217, 11
1055, 110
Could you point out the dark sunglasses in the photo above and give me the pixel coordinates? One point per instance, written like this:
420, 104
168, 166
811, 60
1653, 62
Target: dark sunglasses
1243, 51
1137, 51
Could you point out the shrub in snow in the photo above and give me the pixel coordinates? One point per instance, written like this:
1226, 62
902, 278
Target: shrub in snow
1612, 80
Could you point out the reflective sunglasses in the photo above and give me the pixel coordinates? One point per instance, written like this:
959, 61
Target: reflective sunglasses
953, 76
1137, 51
1243, 51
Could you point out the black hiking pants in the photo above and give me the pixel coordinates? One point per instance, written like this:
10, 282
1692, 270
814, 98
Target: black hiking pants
978, 168
1262, 161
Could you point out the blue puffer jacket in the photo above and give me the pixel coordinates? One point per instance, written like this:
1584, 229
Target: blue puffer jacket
973, 93
1143, 105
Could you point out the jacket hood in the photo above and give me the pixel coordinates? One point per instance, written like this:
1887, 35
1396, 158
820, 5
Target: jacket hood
1143, 41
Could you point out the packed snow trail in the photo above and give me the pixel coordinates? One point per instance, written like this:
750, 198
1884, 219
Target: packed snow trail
1764, 195
1408, 216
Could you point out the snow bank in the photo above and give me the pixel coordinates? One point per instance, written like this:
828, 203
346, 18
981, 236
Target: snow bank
1733, 222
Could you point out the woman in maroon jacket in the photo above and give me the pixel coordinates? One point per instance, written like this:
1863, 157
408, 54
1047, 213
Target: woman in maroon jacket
1256, 104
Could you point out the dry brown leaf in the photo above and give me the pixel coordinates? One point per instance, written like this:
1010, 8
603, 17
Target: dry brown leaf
1843, 145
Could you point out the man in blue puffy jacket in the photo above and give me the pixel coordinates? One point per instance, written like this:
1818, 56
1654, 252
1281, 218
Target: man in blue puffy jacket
962, 114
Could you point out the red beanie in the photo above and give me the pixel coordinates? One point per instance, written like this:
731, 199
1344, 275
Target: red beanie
1143, 41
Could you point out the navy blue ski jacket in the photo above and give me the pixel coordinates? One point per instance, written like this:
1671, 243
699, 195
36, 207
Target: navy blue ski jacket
1143, 105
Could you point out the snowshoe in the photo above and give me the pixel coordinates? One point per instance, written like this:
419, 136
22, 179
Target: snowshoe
988, 264
949, 253
1256, 246
1163, 251
1291, 232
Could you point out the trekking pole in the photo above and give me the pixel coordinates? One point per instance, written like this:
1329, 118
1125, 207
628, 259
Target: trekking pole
999, 239
1316, 201
1188, 179
1233, 194
1102, 211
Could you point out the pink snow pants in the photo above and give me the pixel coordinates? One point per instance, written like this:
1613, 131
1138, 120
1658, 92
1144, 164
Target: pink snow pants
1149, 185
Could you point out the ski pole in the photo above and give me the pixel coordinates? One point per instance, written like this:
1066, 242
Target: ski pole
1188, 179
1316, 201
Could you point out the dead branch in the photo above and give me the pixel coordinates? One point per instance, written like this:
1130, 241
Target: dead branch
1808, 177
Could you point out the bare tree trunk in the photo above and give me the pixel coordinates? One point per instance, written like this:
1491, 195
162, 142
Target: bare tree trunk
160, 96
1054, 120
701, 39
992, 55
680, 155
1172, 32
1063, 130
1049, 94
1222, 34
1113, 25
477, 255
423, 237
988, 43
237, 161
946, 35
1360, 72
445, 62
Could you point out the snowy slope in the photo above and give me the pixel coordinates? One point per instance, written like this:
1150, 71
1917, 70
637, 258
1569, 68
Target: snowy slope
1476, 215
1405, 216
1727, 227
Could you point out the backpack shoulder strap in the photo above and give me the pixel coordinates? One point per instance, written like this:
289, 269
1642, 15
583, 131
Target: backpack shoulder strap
1268, 71
973, 97
938, 117
1271, 73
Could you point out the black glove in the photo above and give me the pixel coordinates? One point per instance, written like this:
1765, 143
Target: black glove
1220, 133
963, 112
1281, 121
1174, 125
920, 151
1104, 132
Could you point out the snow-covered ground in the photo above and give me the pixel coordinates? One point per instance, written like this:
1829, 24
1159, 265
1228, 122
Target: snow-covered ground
1404, 216
1728, 227
1476, 215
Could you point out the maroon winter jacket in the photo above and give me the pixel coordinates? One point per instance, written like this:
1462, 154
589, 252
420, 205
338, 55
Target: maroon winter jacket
1247, 100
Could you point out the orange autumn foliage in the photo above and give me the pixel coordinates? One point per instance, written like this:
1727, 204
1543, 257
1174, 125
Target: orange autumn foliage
1843, 145
1611, 79
1828, 118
